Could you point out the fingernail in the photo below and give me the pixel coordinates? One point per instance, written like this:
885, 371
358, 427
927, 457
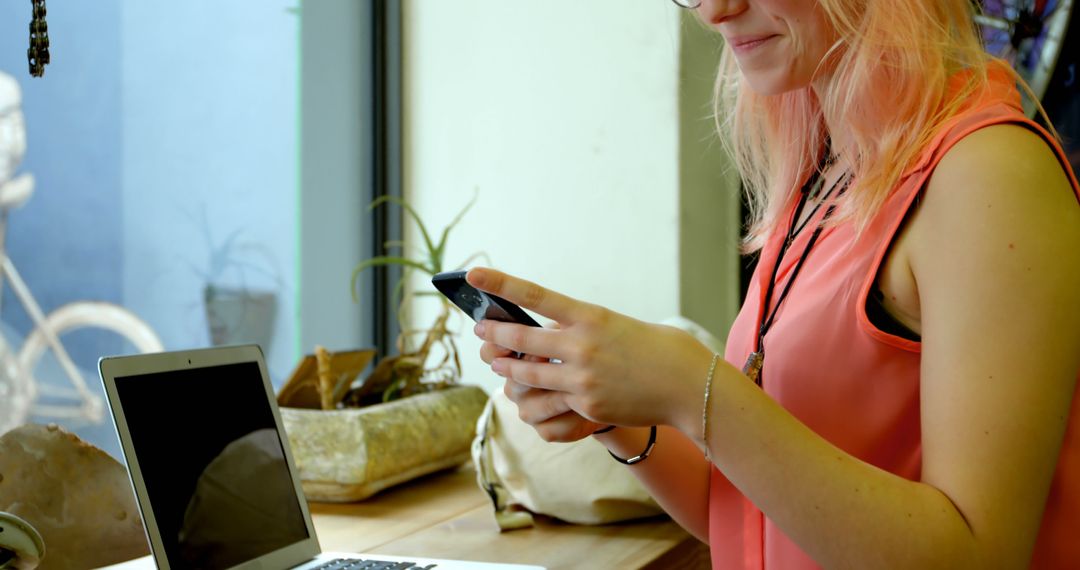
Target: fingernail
498, 366
479, 329
473, 277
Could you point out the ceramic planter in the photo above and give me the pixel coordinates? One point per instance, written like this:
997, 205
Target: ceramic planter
350, 454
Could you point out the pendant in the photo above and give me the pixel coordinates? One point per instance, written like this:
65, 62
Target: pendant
753, 365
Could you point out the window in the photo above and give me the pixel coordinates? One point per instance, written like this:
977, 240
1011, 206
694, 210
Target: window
204, 166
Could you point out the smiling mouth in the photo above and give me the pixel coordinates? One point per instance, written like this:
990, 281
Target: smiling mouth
742, 45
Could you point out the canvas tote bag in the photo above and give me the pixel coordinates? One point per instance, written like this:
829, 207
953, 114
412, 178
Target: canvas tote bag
576, 482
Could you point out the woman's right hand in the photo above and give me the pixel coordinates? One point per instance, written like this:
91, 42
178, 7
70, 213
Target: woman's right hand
545, 410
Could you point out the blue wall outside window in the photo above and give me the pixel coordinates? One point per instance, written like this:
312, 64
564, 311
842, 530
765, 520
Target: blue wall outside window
151, 118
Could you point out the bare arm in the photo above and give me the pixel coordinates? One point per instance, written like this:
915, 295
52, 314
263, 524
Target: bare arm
675, 473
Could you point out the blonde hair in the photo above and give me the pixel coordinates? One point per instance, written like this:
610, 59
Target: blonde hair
886, 85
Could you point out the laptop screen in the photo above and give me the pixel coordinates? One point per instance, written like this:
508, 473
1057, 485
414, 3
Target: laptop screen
212, 463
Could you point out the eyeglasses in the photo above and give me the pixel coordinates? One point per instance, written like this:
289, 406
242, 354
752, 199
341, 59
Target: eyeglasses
688, 4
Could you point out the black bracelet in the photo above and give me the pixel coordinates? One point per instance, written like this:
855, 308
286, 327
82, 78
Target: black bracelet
641, 456
604, 430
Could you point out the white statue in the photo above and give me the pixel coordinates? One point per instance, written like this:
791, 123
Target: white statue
12, 127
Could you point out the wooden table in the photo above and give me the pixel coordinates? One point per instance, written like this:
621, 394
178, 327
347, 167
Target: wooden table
447, 516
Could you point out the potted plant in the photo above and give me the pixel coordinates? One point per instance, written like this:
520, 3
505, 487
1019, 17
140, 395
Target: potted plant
236, 312
408, 417
413, 371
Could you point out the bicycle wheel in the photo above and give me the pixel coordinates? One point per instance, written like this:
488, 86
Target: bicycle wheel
1028, 34
16, 392
63, 377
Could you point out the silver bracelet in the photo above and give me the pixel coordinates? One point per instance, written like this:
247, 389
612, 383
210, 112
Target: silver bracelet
705, 408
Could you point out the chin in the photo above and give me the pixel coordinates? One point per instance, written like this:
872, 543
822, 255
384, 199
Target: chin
773, 81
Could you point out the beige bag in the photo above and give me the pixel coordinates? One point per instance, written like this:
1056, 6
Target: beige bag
577, 482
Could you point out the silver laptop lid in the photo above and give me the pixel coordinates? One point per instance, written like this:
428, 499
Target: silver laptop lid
208, 458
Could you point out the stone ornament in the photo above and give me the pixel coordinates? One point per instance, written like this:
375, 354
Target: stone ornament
77, 497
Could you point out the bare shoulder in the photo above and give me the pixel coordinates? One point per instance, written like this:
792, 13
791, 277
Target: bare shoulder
996, 185
1002, 162
998, 189
997, 234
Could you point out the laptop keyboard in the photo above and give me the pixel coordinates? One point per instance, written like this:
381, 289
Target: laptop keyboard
357, 564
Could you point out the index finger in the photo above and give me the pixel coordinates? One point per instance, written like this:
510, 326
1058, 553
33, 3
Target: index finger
524, 293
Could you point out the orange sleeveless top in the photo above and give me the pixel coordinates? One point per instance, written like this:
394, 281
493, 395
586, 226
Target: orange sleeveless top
853, 384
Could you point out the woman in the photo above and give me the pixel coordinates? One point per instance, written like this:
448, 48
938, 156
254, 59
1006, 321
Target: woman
897, 390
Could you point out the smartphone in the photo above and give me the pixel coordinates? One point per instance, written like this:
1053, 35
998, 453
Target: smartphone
478, 304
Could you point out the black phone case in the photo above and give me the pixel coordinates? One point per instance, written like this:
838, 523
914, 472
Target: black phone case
479, 304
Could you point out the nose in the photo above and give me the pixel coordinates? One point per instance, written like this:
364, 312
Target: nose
715, 12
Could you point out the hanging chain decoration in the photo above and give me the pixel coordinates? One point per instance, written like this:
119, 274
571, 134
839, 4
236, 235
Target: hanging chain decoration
38, 53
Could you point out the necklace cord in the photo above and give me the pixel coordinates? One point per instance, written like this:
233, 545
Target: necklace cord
788, 239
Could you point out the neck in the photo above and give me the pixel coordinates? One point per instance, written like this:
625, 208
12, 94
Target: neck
820, 86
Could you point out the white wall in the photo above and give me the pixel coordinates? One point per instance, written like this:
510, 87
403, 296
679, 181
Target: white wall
564, 115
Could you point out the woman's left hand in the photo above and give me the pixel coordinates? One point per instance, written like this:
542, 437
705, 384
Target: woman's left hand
613, 369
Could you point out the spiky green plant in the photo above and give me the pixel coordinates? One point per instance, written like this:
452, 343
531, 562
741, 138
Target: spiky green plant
401, 375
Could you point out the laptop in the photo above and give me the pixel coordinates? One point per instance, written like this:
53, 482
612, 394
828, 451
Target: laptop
213, 475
